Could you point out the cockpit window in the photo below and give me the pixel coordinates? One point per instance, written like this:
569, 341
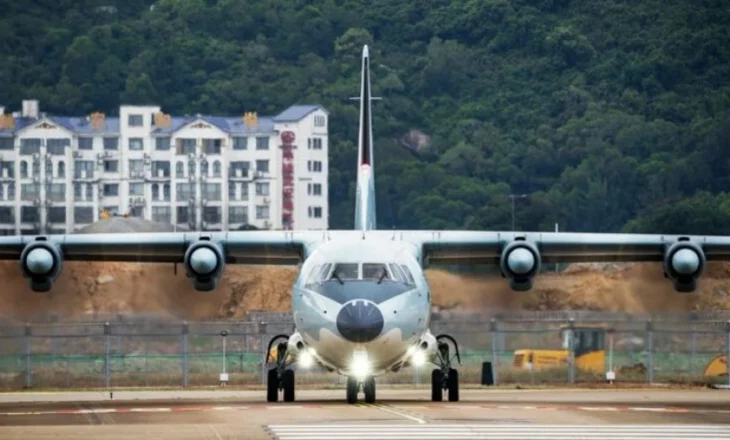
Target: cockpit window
409, 275
345, 271
375, 271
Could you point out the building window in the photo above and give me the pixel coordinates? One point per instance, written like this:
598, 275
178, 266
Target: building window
232, 191
86, 143
238, 214
320, 121
315, 212
314, 166
240, 143
262, 212
262, 165
7, 143
111, 166
160, 168
136, 189
29, 214
136, 167
262, 188
182, 214
166, 192
262, 143
49, 168
135, 120
314, 143
179, 170
57, 192
30, 146
84, 169
7, 169
244, 191
111, 143
162, 143
161, 214
314, 189
191, 168
210, 191
23, 168
57, 147
238, 169
7, 215
216, 169
30, 191
204, 168
79, 192
136, 144
61, 170
57, 214
185, 191
212, 214
212, 146
155, 192
83, 215
111, 189
185, 146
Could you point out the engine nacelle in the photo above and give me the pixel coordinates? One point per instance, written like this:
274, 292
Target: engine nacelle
41, 262
520, 262
204, 263
684, 262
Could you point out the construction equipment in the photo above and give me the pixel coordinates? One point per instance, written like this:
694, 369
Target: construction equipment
589, 344
717, 367
104, 214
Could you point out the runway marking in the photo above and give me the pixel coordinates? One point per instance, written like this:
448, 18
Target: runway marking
397, 413
489, 431
215, 432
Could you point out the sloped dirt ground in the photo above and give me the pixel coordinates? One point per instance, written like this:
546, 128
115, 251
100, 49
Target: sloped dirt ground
89, 288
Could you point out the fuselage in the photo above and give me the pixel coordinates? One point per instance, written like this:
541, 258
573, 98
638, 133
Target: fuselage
361, 298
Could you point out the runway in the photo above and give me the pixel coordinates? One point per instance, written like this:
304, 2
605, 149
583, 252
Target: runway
398, 414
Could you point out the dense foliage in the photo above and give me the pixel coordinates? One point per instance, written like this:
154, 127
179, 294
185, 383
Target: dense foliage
611, 114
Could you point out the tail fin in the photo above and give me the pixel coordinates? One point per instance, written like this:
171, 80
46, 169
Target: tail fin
365, 202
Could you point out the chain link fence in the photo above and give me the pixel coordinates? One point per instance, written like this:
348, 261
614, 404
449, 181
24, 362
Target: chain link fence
526, 348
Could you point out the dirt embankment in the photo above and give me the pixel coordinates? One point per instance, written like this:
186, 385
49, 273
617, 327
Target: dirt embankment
90, 288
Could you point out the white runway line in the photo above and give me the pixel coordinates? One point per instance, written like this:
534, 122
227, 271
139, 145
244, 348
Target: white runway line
494, 431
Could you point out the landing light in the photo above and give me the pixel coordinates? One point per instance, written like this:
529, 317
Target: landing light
360, 365
419, 358
305, 359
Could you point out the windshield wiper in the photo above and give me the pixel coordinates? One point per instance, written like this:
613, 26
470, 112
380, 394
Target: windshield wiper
380, 280
337, 277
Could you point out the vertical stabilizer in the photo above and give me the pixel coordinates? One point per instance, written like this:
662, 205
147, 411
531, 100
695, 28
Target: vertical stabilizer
365, 202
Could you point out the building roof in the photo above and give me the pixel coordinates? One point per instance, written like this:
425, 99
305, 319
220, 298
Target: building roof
297, 113
229, 124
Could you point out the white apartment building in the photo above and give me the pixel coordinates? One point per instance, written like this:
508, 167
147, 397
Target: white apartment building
58, 173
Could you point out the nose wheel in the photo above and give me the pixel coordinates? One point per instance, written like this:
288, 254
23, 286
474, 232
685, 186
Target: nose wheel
280, 377
353, 387
445, 377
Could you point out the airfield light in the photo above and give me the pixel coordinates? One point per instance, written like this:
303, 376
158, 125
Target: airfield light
306, 360
360, 365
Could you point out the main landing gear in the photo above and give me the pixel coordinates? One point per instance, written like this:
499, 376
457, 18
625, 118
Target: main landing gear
445, 377
280, 377
368, 388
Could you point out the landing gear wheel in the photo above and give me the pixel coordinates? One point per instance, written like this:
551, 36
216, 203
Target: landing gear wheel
272, 386
368, 387
437, 384
288, 385
452, 383
352, 386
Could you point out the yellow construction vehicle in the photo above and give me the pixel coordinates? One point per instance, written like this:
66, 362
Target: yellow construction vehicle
590, 351
717, 367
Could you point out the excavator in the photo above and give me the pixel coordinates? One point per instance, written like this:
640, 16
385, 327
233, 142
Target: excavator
590, 352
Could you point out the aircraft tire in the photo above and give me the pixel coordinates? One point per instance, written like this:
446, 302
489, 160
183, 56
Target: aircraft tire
368, 387
351, 390
452, 383
437, 382
272, 386
288, 385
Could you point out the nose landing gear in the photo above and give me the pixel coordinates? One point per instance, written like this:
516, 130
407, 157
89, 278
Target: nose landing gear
368, 388
280, 377
445, 377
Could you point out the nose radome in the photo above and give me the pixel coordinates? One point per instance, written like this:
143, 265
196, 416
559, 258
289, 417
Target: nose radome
360, 321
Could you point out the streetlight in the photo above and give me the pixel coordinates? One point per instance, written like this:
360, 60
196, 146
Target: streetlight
513, 197
224, 374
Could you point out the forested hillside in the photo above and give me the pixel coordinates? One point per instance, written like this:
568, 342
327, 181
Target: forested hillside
611, 114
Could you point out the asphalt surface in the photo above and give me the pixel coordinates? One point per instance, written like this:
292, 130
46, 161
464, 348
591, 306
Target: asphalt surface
398, 414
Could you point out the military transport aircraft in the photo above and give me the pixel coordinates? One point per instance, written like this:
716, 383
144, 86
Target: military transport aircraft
361, 303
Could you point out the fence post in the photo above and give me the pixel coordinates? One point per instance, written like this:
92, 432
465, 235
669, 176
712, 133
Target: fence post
650, 352
28, 373
264, 354
494, 328
571, 351
184, 349
107, 335
727, 350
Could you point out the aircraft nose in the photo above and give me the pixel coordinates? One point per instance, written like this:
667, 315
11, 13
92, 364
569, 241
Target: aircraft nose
360, 321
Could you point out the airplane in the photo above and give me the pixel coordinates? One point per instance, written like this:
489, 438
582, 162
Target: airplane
361, 303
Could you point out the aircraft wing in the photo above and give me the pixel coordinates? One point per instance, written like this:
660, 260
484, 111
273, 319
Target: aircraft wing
476, 247
242, 247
